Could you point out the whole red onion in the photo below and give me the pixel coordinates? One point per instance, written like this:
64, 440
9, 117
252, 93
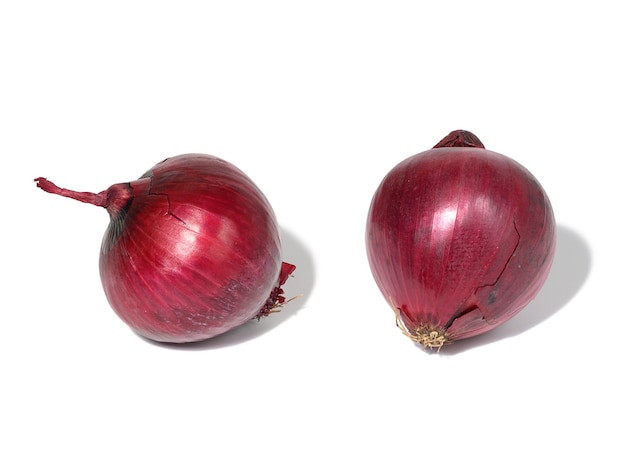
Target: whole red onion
459, 239
192, 249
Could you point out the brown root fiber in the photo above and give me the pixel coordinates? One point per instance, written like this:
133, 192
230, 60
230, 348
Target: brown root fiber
428, 336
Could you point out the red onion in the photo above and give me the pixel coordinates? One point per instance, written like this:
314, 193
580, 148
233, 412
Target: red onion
459, 239
192, 249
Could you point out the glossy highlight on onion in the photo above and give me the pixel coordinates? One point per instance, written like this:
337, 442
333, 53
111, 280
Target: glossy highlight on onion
192, 249
459, 239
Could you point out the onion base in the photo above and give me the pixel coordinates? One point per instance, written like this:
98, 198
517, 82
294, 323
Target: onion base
277, 300
429, 336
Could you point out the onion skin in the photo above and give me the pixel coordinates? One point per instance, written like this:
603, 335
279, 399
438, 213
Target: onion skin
192, 249
459, 240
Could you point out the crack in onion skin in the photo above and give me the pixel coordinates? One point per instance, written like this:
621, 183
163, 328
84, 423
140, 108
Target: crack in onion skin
192, 249
459, 239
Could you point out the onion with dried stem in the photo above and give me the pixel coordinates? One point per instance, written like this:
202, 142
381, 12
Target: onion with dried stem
192, 249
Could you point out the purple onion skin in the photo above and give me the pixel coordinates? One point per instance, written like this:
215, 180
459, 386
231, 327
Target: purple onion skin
459, 240
192, 249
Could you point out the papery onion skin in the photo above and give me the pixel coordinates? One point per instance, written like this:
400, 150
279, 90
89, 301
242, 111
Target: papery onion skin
459, 240
192, 249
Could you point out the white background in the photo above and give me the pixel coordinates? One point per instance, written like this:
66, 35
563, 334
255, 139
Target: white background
315, 101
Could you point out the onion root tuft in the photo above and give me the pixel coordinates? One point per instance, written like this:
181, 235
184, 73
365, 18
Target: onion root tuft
430, 337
